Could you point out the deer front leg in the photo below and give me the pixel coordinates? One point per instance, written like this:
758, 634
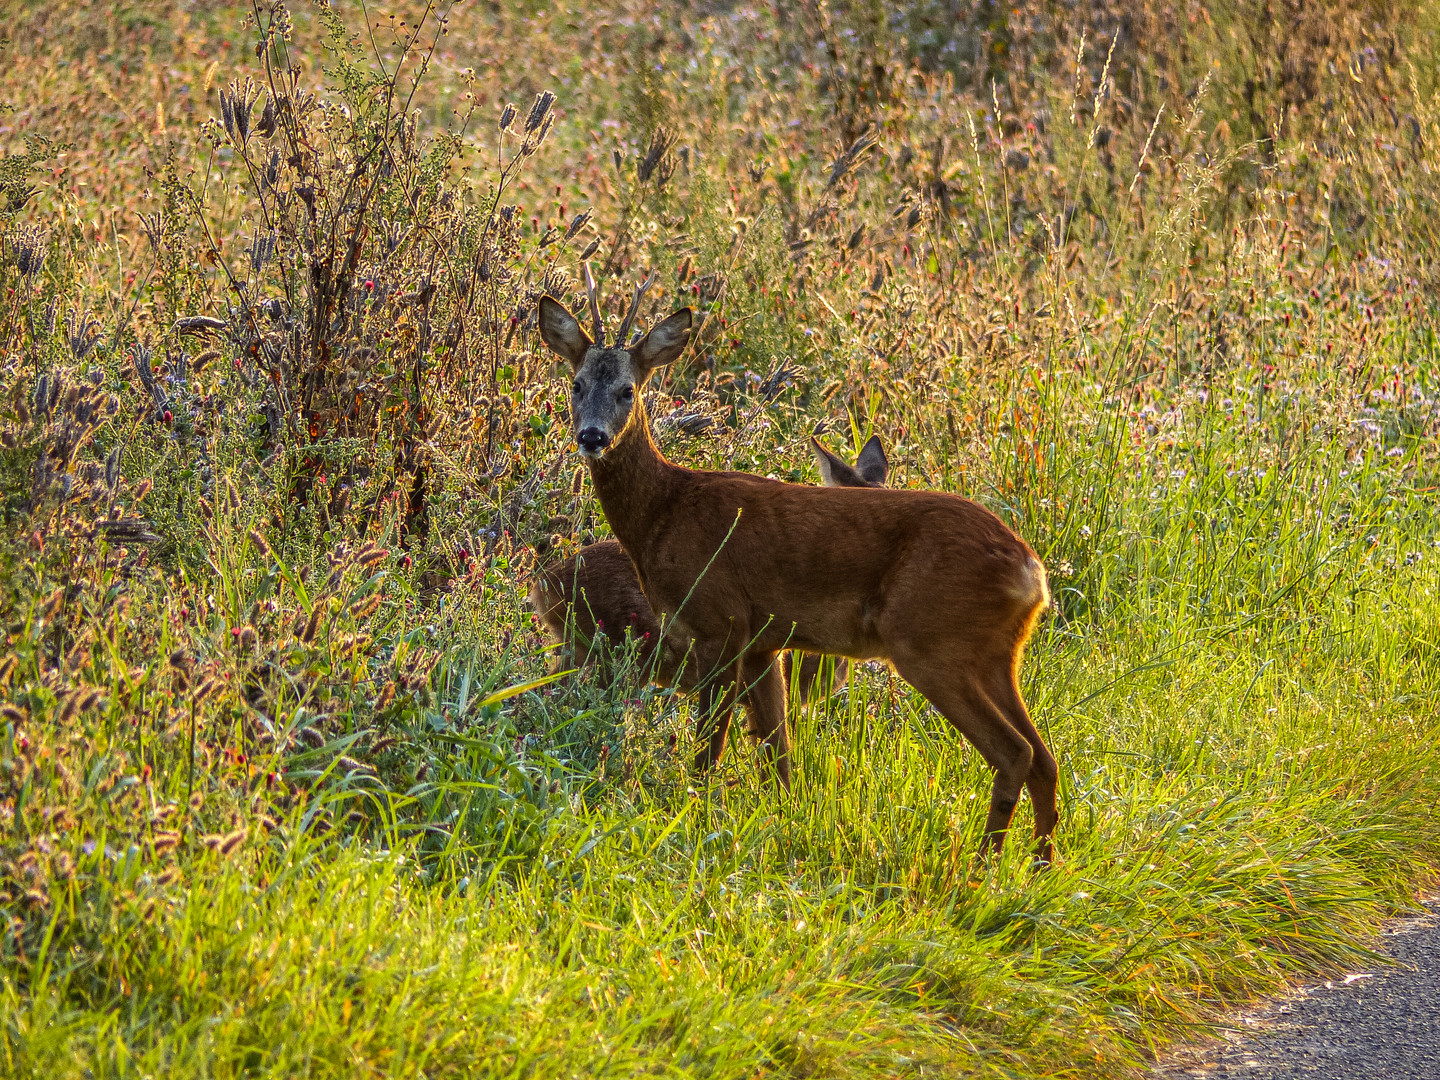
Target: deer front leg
717, 686
717, 704
765, 705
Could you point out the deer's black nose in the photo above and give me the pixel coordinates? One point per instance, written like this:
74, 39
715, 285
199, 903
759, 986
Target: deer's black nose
592, 440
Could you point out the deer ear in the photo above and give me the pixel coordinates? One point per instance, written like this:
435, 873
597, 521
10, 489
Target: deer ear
833, 471
872, 464
562, 332
664, 342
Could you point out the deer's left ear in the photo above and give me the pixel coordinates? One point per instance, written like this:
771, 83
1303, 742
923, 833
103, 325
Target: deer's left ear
562, 332
664, 343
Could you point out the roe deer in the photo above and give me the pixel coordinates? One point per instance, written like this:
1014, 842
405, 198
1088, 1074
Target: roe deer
747, 567
597, 590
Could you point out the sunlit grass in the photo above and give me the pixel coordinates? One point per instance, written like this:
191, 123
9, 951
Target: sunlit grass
279, 794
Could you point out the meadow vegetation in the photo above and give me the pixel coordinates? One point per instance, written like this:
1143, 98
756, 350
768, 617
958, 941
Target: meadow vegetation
285, 789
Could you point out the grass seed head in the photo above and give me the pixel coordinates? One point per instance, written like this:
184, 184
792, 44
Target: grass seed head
363, 609
387, 695
260, 543
237, 102
51, 607
578, 222
372, 556
70, 708
662, 141
28, 244
544, 101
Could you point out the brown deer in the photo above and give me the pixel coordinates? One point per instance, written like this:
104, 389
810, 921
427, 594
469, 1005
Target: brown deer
746, 567
596, 591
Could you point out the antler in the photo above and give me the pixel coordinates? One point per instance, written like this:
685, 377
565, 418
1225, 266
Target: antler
594, 306
640, 291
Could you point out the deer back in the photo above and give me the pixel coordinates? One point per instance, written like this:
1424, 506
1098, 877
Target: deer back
834, 570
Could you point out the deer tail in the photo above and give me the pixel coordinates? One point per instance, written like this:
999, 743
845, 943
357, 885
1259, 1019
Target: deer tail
1032, 587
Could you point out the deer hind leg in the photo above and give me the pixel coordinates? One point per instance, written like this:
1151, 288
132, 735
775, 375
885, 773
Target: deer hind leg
765, 710
950, 682
814, 677
1044, 772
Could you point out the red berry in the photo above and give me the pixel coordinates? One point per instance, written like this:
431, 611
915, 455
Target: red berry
169, 416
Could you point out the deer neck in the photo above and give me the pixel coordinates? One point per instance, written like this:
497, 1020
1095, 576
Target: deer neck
633, 481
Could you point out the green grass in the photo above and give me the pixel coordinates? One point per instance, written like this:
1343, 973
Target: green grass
280, 793
1247, 786
719, 934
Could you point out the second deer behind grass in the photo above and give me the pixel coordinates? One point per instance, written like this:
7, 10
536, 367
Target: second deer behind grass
597, 591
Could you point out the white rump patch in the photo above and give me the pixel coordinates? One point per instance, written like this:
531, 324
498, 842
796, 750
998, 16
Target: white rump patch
1033, 587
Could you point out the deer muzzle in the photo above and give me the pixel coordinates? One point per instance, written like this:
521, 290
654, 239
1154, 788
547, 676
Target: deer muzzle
592, 441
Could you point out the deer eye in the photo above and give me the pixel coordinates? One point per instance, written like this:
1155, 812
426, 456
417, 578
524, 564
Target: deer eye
627, 394
575, 388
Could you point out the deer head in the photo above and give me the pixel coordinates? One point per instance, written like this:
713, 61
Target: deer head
608, 378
